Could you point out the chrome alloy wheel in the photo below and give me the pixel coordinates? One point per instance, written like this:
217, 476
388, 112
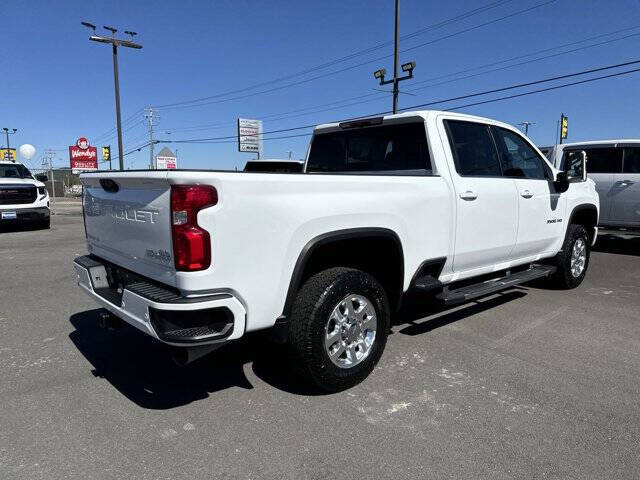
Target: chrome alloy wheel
350, 331
578, 257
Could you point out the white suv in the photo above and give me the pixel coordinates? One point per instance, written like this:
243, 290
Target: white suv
22, 197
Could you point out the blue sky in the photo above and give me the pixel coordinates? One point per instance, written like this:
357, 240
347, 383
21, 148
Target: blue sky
58, 86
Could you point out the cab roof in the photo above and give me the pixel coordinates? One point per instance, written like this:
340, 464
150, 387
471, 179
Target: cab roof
425, 114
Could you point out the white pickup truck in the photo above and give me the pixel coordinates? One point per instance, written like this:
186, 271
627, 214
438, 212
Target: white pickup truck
447, 204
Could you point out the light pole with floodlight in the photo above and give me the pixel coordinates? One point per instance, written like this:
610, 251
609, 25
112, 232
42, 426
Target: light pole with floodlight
406, 67
115, 43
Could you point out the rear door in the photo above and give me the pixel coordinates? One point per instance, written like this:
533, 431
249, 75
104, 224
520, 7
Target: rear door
626, 201
127, 221
486, 201
540, 207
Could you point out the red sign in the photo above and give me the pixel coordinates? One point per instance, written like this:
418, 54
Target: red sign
82, 156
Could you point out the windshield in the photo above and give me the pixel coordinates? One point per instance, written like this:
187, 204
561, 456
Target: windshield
14, 171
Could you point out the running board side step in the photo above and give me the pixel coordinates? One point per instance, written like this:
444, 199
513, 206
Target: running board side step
463, 294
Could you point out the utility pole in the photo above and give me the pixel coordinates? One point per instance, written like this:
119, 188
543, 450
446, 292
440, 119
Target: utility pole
149, 116
49, 154
115, 43
7, 132
526, 124
406, 67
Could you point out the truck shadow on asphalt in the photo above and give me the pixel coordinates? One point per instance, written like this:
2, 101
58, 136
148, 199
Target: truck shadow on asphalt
611, 243
419, 316
141, 368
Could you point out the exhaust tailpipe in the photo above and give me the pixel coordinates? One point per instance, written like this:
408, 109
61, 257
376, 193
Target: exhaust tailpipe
108, 321
185, 355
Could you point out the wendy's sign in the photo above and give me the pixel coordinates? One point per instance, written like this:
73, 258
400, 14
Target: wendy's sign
83, 156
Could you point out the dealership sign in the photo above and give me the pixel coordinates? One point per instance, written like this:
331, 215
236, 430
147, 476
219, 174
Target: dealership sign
83, 156
250, 136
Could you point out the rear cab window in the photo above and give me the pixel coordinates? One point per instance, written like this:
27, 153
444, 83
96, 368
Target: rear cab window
399, 149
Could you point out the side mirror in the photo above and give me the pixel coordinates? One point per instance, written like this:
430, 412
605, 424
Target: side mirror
575, 164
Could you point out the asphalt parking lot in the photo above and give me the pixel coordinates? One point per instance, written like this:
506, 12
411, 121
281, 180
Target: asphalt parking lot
530, 383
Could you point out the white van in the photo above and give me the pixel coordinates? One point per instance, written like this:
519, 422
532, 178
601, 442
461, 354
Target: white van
615, 167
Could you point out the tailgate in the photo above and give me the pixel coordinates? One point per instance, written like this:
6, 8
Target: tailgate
127, 221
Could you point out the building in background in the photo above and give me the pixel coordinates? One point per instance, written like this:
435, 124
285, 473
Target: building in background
166, 160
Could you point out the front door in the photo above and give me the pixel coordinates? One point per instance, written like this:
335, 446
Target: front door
540, 211
486, 204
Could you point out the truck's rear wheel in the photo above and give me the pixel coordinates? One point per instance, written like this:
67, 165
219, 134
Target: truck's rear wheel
339, 327
573, 261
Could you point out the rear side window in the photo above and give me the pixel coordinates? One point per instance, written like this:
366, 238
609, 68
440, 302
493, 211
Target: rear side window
518, 158
474, 152
632, 160
388, 148
601, 160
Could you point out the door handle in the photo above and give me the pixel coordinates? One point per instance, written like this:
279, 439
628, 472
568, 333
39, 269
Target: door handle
626, 183
526, 194
468, 195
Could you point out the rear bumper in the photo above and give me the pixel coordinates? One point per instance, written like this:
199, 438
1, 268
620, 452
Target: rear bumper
26, 214
163, 313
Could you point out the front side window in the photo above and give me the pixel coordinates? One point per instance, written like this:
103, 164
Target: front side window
632, 160
474, 152
397, 148
600, 160
518, 158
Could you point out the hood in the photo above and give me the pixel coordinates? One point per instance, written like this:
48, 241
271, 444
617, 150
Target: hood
20, 181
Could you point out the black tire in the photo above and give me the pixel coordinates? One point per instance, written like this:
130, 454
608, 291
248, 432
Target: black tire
312, 308
46, 224
564, 277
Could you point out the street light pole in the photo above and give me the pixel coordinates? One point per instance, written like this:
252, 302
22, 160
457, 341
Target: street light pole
406, 67
7, 133
395, 59
115, 43
116, 83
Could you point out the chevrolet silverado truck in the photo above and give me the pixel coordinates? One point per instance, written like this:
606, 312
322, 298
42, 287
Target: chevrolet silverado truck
23, 199
449, 205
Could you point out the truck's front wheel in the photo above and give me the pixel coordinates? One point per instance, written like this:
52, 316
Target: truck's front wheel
573, 260
339, 327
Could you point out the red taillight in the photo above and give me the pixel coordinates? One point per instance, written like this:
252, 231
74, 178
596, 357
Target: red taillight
191, 244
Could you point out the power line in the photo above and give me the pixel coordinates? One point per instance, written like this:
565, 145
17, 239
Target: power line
357, 53
192, 103
483, 102
436, 102
556, 87
347, 102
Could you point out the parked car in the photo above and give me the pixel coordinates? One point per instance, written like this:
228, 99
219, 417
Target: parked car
614, 165
22, 198
450, 205
281, 166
